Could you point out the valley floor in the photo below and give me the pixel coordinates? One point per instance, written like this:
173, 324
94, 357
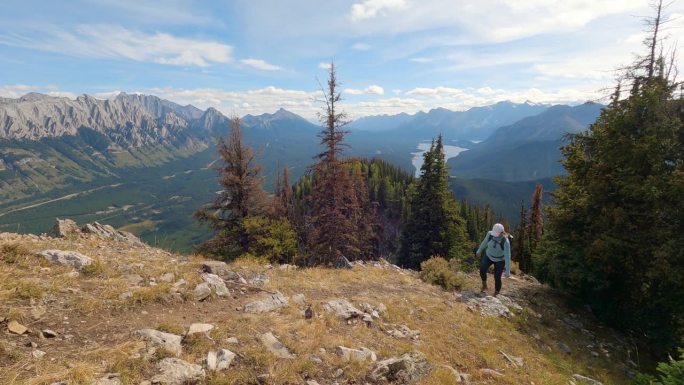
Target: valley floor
528, 337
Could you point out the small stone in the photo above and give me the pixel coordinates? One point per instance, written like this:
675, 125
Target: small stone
490, 373
199, 328
73, 274
216, 284
339, 373
16, 328
585, 380
125, 296
38, 354
47, 333
31, 344
232, 340
220, 360
274, 346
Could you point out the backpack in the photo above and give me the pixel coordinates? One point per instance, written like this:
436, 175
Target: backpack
500, 243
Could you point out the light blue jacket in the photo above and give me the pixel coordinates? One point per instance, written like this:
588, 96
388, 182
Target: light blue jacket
494, 251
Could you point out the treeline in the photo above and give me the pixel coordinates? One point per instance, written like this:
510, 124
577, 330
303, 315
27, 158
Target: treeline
614, 237
343, 209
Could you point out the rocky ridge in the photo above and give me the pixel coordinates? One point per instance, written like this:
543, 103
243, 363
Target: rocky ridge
132, 316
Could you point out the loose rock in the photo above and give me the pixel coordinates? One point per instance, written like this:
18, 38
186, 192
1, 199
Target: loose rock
586, 380
216, 284
16, 328
407, 369
362, 354
220, 360
175, 371
157, 339
199, 328
272, 303
68, 258
342, 308
275, 346
202, 291
221, 269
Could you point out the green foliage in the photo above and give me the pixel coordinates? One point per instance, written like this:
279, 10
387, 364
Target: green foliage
439, 271
615, 238
388, 187
669, 373
272, 239
433, 225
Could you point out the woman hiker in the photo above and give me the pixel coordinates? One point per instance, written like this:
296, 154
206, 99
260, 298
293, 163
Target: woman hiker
495, 249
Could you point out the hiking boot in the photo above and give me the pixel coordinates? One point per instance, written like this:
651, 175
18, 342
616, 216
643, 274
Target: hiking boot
484, 287
496, 293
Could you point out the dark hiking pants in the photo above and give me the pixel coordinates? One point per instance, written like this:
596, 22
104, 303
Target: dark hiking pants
498, 270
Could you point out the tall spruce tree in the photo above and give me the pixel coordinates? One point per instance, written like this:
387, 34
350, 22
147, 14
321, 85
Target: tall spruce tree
433, 226
337, 205
536, 221
615, 232
242, 195
520, 251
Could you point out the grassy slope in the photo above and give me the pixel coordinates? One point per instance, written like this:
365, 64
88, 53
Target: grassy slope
102, 324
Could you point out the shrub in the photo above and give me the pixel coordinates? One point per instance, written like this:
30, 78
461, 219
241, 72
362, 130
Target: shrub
271, 239
670, 373
438, 271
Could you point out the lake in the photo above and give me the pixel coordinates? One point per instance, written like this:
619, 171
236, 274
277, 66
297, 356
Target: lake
449, 152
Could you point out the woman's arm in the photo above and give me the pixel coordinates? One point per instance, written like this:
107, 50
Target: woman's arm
507, 255
483, 245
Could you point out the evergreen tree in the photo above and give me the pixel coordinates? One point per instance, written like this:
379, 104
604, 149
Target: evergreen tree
615, 235
520, 251
242, 195
335, 209
433, 226
536, 221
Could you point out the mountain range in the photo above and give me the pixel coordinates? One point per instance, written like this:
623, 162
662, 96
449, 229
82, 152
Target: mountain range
91, 157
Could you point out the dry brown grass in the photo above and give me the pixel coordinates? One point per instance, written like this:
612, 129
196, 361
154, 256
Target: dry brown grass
450, 333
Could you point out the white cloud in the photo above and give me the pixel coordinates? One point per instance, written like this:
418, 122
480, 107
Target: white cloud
372, 8
324, 66
370, 90
361, 46
422, 60
260, 65
17, 90
111, 41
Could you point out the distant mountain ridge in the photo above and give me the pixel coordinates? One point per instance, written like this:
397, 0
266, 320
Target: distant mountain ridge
476, 123
528, 149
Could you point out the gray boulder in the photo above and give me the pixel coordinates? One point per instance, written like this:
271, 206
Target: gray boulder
342, 308
272, 303
157, 339
407, 369
216, 284
65, 228
202, 291
174, 371
67, 258
362, 354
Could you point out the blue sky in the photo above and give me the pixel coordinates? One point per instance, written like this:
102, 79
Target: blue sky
257, 56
